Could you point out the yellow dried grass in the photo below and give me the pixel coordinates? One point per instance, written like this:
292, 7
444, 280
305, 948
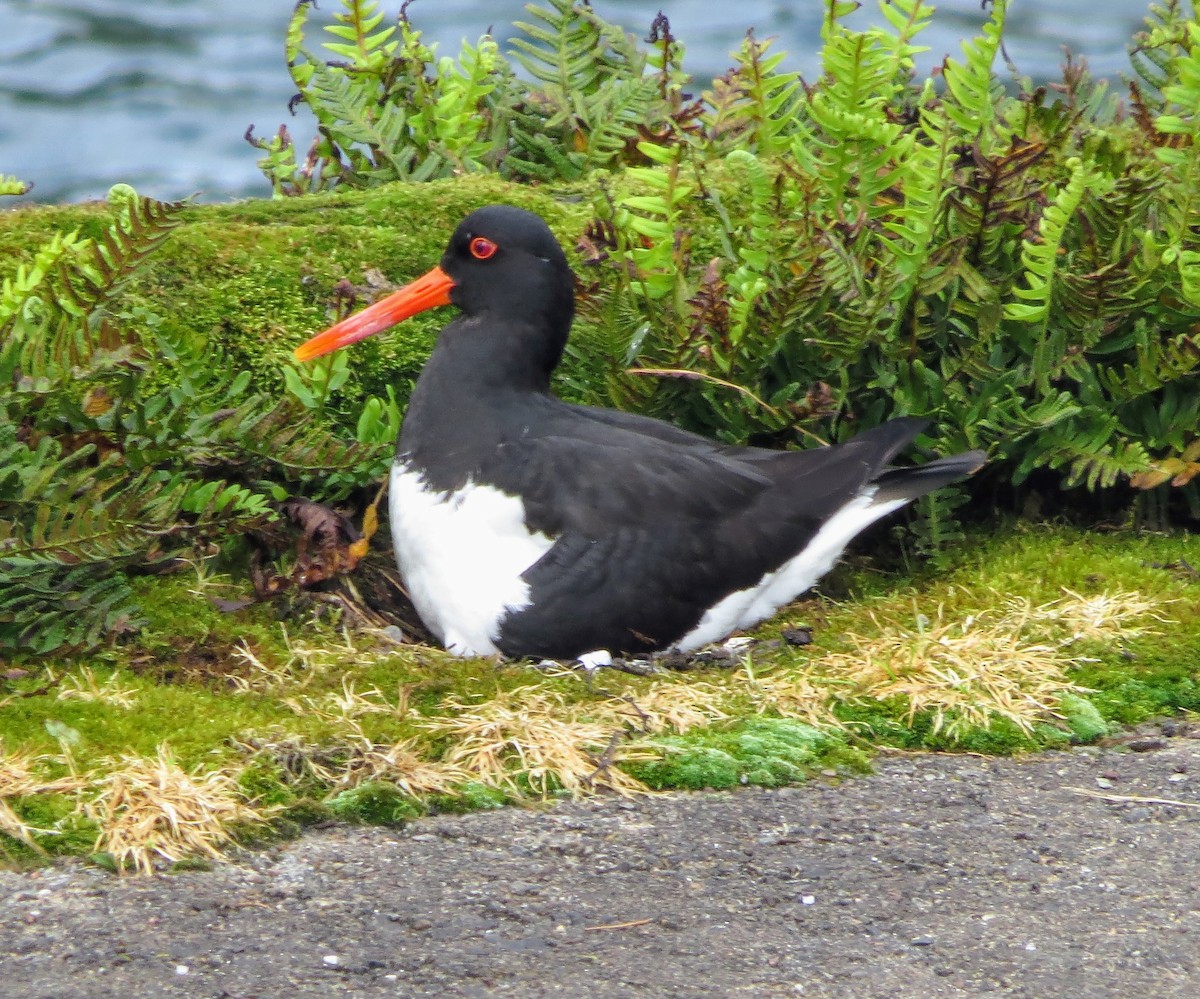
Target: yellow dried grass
670, 705
150, 809
349, 704
1074, 617
967, 673
305, 663
528, 739
82, 685
791, 695
404, 764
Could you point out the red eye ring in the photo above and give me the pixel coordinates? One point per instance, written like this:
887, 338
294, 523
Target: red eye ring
482, 248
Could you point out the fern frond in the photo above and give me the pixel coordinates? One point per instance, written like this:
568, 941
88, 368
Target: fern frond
1040, 258
53, 316
970, 83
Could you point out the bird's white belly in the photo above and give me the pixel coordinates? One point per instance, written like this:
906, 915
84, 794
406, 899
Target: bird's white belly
461, 555
745, 608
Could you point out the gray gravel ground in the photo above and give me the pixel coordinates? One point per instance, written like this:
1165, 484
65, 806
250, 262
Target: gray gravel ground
936, 876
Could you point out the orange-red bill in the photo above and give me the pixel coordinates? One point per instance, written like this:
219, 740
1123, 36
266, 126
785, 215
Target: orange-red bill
426, 292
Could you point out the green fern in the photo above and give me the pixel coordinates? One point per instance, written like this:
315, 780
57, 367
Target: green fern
754, 106
1155, 50
122, 446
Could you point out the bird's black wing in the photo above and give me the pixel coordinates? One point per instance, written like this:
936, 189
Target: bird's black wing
594, 480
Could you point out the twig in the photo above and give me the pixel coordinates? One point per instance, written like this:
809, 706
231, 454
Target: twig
647, 722
618, 926
1116, 798
605, 760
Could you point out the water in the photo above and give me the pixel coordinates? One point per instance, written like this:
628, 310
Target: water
158, 94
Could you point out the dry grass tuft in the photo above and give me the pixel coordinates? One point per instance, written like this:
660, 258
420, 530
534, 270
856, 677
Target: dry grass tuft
405, 765
354, 758
790, 695
350, 704
1106, 615
304, 665
527, 739
82, 685
19, 778
968, 673
150, 809
671, 705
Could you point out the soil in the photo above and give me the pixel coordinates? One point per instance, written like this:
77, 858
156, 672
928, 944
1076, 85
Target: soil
935, 876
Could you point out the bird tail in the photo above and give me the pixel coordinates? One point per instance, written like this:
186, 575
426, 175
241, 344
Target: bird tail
910, 483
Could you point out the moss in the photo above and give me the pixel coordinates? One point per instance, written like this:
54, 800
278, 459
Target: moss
190, 865
305, 812
1083, 718
266, 784
180, 619
470, 797
58, 830
253, 279
763, 751
376, 803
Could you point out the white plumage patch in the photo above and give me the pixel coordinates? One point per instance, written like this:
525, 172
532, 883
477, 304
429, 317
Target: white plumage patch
461, 555
747, 607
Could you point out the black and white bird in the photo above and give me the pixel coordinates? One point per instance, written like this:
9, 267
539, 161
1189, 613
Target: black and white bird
527, 526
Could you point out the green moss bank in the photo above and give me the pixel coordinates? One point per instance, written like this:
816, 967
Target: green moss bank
258, 277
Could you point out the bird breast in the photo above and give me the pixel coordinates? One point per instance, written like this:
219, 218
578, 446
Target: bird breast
461, 554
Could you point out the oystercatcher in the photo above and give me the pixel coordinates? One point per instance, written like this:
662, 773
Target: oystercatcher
527, 526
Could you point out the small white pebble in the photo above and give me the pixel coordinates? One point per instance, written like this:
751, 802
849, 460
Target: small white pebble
1031, 946
331, 960
808, 899
182, 969
1177, 777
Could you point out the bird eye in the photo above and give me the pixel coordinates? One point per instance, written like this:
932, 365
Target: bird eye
482, 248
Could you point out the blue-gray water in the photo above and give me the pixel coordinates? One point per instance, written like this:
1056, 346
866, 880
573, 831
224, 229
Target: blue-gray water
158, 94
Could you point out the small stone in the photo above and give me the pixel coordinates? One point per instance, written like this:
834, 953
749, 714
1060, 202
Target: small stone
801, 635
922, 941
808, 900
1103, 782
1175, 778
1145, 745
182, 969
331, 960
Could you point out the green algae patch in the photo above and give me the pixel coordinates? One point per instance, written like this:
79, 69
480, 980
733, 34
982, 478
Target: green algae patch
375, 803
1039, 638
765, 752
